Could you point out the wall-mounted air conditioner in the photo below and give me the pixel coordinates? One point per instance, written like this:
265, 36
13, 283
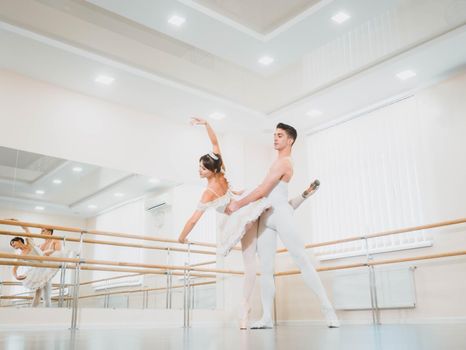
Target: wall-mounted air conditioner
157, 202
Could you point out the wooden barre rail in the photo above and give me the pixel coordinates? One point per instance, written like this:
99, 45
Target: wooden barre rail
15, 283
383, 233
283, 273
204, 263
132, 291
278, 274
102, 233
380, 262
124, 235
113, 243
25, 297
101, 268
112, 263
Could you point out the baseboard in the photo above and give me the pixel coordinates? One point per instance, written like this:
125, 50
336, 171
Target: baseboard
430, 320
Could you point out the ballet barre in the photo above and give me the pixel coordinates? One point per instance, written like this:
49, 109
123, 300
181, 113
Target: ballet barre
112, 243
192, 270
102, 233
384, 233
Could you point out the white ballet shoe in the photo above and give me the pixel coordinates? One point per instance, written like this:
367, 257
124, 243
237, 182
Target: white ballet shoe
262, 324
331, 317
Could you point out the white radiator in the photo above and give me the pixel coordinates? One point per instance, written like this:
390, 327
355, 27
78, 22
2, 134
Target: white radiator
395, 289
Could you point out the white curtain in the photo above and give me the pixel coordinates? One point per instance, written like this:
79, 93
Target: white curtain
369, 176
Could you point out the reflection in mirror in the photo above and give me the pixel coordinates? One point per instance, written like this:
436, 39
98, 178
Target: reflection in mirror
39, 189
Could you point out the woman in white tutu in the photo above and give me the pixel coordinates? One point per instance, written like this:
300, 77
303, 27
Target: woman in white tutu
241, 226
37, 279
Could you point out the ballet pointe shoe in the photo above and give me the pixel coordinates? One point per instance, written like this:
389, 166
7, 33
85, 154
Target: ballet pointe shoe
331, 317
244, 316
262, 324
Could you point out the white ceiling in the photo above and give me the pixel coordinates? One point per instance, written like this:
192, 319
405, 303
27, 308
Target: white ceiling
219, 35
93, 185
200, 68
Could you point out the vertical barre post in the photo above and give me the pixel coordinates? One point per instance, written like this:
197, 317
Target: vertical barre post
188, 301
74, 313
168, 292
275, 321
61, 291
372, 289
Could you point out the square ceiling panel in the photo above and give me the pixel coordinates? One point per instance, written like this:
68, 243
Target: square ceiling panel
262, 16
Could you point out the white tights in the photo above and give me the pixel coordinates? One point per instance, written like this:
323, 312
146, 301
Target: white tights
276, 220
46, 293
249, 249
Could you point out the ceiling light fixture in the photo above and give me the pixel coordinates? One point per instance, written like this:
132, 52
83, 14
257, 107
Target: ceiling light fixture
92, 206
217, 116
39, 208
57, 181
341, 17
406, 74
104, 79
266, 60
77, 169
118, 194
176, 20
40, 192
314, 113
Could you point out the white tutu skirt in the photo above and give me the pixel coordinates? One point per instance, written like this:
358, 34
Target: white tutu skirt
238, 223
37, 277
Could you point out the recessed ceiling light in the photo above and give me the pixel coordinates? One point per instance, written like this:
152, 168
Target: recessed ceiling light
57, 181
217, 116
154, 180
314, 113
39, 208
77, 169
340, 17
266, 60
104, 79
176, 20
118, 194
92, 206
40, 192
406, 74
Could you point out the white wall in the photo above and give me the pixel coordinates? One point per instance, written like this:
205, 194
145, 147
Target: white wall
46, 119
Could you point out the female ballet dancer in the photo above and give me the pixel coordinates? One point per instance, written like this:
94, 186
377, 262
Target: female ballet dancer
242, 225
37, 279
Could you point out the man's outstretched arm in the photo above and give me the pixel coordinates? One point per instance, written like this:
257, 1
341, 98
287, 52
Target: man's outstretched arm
271, 180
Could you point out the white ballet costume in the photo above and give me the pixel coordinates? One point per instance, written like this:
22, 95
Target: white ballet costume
233, 227
279, 219
38, 279
239, 226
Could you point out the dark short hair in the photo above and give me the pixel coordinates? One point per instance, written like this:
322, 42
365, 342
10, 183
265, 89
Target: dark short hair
16, 239
49, 229
212, 164
290, 131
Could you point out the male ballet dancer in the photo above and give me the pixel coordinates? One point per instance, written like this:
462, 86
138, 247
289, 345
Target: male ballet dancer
279, 219
249, 251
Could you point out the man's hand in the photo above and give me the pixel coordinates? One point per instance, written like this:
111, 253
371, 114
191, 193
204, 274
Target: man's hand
182, 239
232, 207
198, 121
21, 277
